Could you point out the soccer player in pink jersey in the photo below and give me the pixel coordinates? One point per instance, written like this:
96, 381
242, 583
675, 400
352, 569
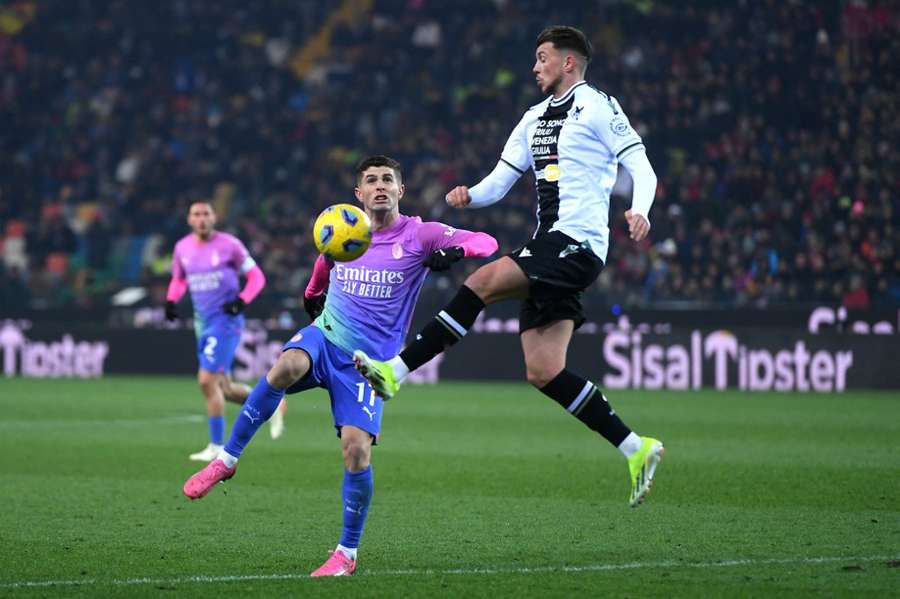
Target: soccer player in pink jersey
369, 303
209, 263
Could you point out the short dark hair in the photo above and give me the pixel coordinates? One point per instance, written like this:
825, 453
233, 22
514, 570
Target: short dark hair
569, 38
378, 160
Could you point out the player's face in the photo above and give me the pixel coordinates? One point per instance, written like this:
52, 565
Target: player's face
548, 67
201, 219
379, 190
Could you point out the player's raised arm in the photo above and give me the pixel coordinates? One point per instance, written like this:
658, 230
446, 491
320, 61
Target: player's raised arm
448, 245
317, 289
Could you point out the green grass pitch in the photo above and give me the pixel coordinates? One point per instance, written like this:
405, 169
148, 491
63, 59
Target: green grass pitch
481, 490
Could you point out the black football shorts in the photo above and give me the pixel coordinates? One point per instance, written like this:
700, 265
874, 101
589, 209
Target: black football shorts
559, 270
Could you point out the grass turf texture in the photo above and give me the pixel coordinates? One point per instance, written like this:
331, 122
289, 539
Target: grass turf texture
481, 490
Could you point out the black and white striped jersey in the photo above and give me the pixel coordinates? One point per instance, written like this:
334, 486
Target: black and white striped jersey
574, 144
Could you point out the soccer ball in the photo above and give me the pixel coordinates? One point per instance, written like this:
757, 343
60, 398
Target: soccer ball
342, 232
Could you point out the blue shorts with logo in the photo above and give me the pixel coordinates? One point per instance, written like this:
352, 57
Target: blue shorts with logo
353, 401
216, 344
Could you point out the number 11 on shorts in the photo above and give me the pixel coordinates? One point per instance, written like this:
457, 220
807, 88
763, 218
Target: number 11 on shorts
361, 393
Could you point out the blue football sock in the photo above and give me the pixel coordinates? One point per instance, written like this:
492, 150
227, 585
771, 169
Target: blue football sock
357, 492
258, 408
217, 429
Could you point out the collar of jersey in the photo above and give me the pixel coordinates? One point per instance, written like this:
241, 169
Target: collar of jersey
565, 97
394, 227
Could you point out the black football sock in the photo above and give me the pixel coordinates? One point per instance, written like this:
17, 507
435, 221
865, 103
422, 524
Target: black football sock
585, 401
449, 326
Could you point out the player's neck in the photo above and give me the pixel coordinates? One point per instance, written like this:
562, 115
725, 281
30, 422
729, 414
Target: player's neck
566, 84
200, 239
383, 220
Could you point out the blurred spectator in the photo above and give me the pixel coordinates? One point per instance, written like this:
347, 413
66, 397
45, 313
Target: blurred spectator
772, 127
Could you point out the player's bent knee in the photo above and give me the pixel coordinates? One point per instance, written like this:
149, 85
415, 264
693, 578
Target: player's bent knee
479, 282
497, 281
292, 365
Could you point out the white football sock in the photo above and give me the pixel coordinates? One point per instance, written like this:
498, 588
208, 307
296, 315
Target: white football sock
399, 367
630, 445
226, 457
351, 553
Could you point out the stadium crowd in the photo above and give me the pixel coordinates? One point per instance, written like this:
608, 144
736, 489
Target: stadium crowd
770, 125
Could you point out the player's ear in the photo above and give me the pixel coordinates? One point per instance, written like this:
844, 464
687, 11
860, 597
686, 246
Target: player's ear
357, 193
402, 191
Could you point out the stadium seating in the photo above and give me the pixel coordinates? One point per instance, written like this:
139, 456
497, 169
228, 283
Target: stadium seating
777, 171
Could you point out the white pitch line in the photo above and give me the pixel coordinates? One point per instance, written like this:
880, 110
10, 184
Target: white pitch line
465, 571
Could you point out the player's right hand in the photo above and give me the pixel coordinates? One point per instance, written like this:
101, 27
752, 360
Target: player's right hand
314, 305
458, 197
171, 311
638, 225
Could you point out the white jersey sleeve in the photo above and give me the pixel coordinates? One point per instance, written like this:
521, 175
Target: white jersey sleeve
644, 190
615, 131
517, 152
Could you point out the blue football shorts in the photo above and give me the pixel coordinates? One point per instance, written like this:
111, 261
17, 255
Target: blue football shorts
353, 401
216, 345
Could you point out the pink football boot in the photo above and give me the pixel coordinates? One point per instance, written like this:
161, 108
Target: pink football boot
199, 485
336, 565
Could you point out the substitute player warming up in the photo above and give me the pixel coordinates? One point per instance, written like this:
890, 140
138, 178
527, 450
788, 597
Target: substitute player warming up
573, 141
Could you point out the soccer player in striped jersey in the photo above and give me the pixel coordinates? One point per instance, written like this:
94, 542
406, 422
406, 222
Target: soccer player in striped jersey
573, 141
209, 263
368, 303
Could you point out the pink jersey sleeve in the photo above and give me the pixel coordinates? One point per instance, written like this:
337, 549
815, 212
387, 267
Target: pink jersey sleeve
256, 280
240, 256
178, 284
318, 281
177, 268
176, 290
435, 235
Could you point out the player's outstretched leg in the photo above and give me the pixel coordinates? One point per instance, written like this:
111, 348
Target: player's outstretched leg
263, 401
641, 466
379, 374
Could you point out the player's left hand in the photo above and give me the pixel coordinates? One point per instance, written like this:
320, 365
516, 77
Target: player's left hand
443, 259
638, 225
234, 308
